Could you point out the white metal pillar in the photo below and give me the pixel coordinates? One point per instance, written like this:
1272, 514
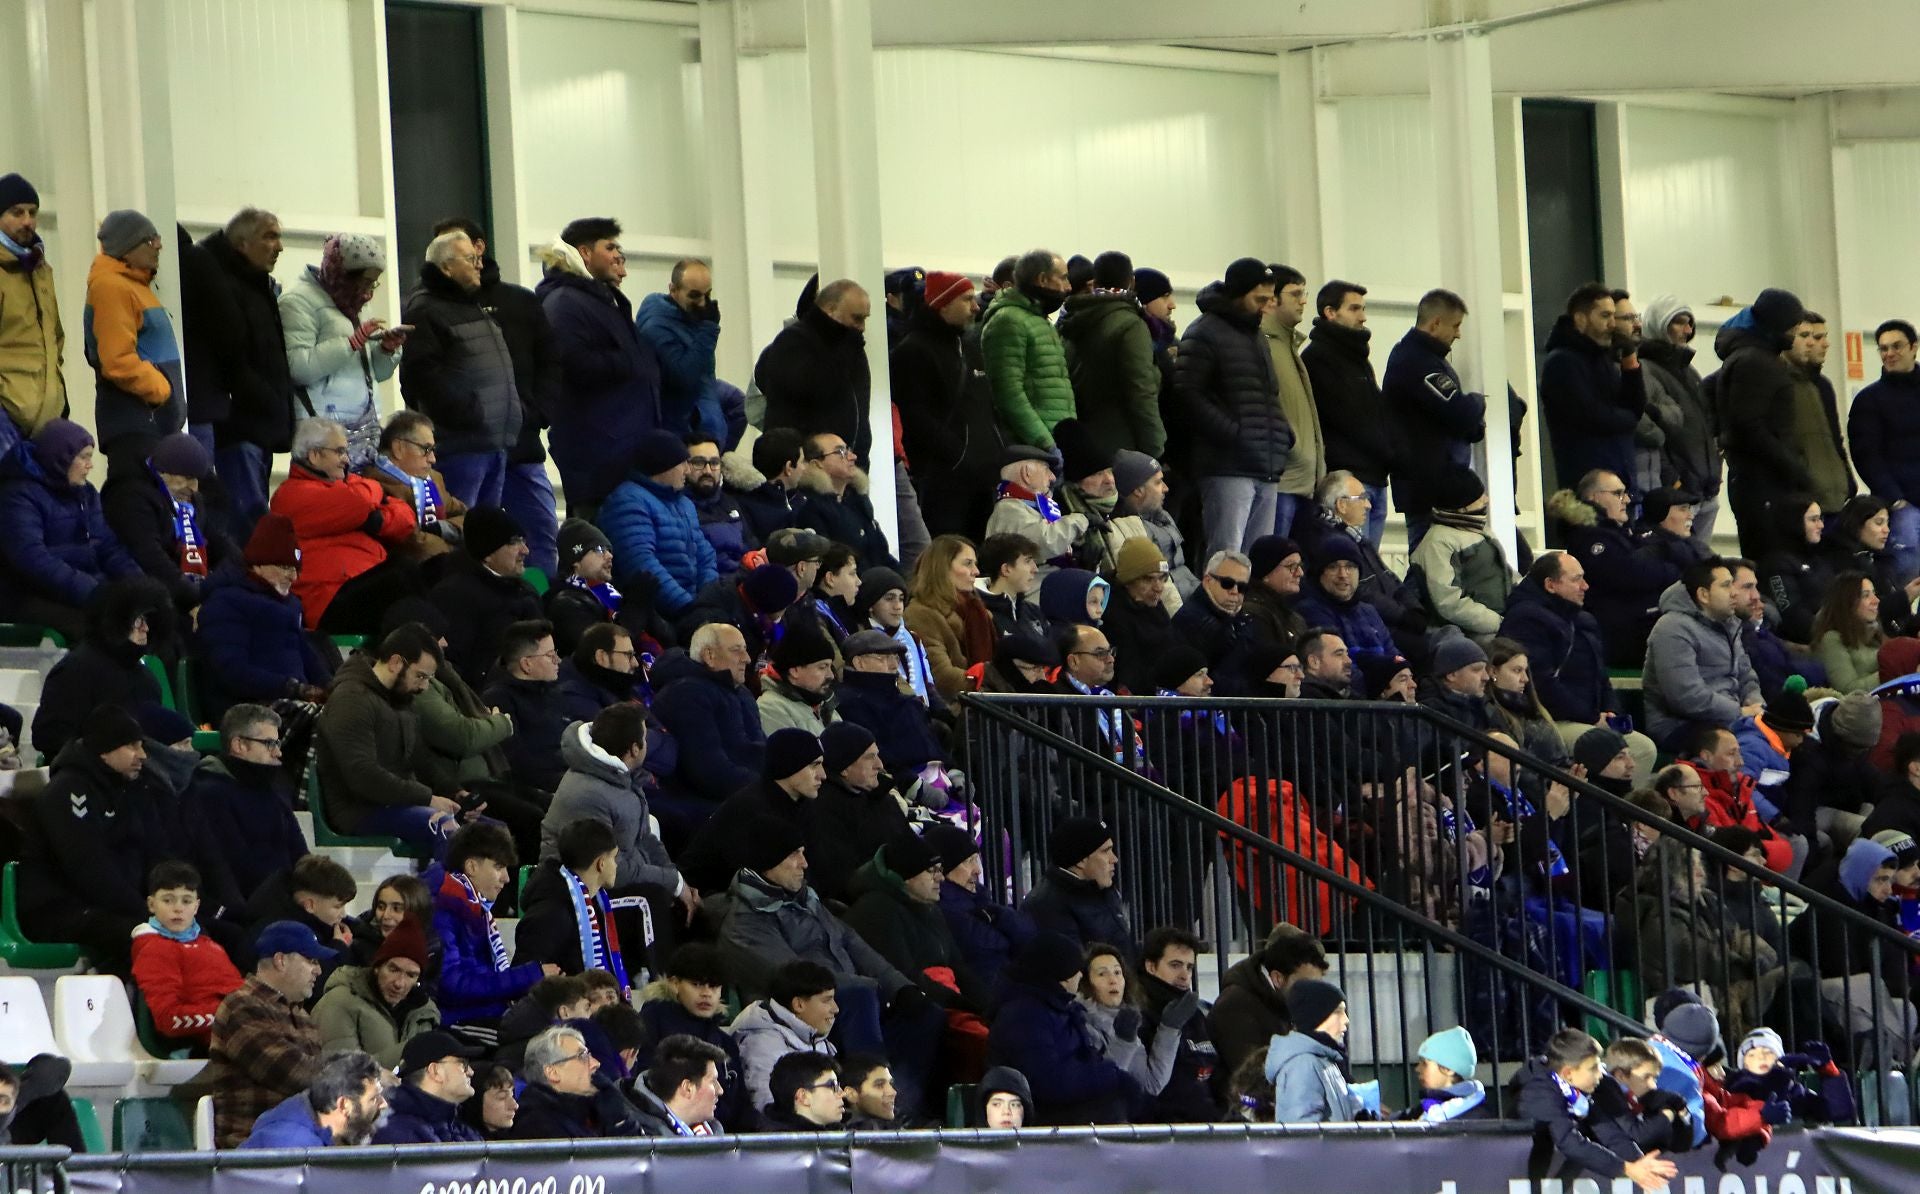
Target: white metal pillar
846, 183
508, 227
56, 33
1306, 166
1460, 80
133, 126
735, 207
373, 127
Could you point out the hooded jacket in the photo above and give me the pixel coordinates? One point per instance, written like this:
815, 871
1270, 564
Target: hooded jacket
135, 357
767, 926
58, 544
1590, 404
1225, 385
344, 528
764, 1032
656, 531
1565, 652
1027, 366
1361, 435
367, 746
598, 787
1696, 670
1625, 571
457, 369
1466, 575
352, 1014
1430, 409
1116, 385
1692, 453
1308, 1085
32, 340
683, 344
1753, 393
817, 379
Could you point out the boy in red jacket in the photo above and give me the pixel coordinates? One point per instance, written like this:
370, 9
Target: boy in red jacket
181, 972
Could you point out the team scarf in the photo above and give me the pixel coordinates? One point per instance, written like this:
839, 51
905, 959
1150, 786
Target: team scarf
1520, 808
186, 529
1189, 718
1456, 824
824, 607
599, 937
1112, 722
604, 592
29, 256
458, 886
1577, 1104
192, 932
1042, 502
428, 506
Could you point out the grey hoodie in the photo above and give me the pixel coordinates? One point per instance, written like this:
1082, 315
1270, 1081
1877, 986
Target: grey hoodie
599, 787
1308, 1087
765, 1034
1696, 669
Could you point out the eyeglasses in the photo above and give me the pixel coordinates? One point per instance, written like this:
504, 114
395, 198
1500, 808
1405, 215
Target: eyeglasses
332, 451
269, 743
1612, 492
543, 655
1228, 583
423, 449
829, 1084
629, 654
842, 450
570, 1058
703, 462
1292, 667
1097, 653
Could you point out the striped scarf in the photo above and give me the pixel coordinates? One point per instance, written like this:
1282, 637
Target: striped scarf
459, 886
599, 938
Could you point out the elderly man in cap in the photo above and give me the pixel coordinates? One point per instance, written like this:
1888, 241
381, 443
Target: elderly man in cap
485, 591
157, 514
265, 1047
1667, 517
1332, 598
858, 810
1087, 468
1076, 897
1024, 505
138, 393
32, 341
946, 407
1140, 510
654, 527
874, 695
790, 778
1137, 622
436, 1076
1225, 385
1464, 567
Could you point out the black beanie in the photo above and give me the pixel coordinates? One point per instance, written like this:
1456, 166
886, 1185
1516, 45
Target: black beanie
109, 728
789, 751
767, 843
1081, 453
577, 538
955, 844
487, 529
842, 745
1310, 1001
1049, 959
907, 855
1176, 665
1457, 488
1776, 311
1074, 838
800, 646
1245, 274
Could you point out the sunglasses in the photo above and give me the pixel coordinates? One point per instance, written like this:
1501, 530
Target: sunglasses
1227, 582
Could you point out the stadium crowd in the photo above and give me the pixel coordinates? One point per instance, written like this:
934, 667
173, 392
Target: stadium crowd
714, 708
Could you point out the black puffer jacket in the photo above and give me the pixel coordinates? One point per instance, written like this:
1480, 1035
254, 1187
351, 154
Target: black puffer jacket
816, 378
1361, 437
457, 368
258, 380
1753, 393
1226, 387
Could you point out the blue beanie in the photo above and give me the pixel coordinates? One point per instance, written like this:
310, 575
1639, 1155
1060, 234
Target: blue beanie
1863, 858
1452, 1049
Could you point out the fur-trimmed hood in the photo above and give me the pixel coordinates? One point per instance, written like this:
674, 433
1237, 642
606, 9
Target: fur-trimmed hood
556, 254
813, 480
736, 466
1570, 508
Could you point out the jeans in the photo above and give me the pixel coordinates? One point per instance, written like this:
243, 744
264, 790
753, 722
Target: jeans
1236, 510
413, 824
1904, 542
528, 497
476, 478
1417, 525
243, 469
1708, 512
1286, 507
1376, 514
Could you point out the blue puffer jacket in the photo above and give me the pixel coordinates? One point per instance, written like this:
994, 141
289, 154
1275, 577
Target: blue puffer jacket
657, 531
716, 724
683, 345
1042, 1032
57, 544
612, 383
290, 1124
472, 987
1359, 624
253, 642
1564, 652
725, 528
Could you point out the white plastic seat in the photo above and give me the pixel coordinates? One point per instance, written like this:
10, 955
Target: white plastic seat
203, 1124
19, 684
93, 1023
25, 1031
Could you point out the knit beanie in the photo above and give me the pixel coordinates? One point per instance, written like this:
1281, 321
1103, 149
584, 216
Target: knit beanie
1024, 646
842, 744
1789, 711
1455, 653
1457, 488
954, 844
1333, 549
1669, 999
1855, 721
487, 529
658, 452
359, 251
124, 231
770, 588
1176, 665
1376, 672
1759, 1038
109, 728
943, 288
1658, 503
789, 752
1150, 284
1242, 276
162, 724
1048, 959
907, 855
1081, 454
875, 583
768, 842
1692, 1026
578, 537
405, 941
1777, 311
1074, 838
800, 646
1906, 851
15, 190
1310, 1001
57, 442
1596, 748
1452, 1049
1267, 552
1136, 559
273, 542
1133, 469
182, 455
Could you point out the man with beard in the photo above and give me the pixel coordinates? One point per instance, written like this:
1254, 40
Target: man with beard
1361, 437
1307, 461
1333, 599
265, 1047
1592, 401
344, 1105
1141, 510
721, 520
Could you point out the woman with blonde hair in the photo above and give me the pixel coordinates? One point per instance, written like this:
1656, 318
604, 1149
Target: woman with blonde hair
948, 615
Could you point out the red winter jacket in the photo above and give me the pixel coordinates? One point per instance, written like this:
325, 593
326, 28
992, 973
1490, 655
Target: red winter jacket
183, 982
1730, 802
343, 528
1731, 1116
1288, 822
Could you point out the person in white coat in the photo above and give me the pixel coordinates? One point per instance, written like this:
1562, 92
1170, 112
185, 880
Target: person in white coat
338, 355
795, 1017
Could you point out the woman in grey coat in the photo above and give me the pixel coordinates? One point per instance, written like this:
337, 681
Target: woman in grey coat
1114, 1020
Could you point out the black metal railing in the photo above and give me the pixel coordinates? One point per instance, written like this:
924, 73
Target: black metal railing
1396, 834
33, 1169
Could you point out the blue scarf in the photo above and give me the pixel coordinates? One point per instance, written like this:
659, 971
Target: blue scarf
1189, 718
186, 529
824, 605
498, 947
1112, 723
1520, 807
918, 672
1042, 502
1577, 1105
29, 256
428, 506
599, 940
153, 922
605, 593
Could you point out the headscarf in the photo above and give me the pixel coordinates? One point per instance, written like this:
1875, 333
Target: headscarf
337, 275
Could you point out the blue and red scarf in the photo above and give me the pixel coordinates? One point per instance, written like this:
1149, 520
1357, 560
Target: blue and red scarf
186, 529
604, 593
599, 938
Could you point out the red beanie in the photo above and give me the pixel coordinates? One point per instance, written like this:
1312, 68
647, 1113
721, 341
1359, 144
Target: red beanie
273, 542
406, 941
944, 288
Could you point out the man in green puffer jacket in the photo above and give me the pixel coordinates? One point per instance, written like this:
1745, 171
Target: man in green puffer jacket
1026, 362
1116, 385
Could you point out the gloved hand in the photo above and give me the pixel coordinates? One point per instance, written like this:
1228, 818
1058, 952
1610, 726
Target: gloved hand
1817, 1054
1181, 1010
909, 999
364, 333
1126, 1023
1776, 1111
711, 312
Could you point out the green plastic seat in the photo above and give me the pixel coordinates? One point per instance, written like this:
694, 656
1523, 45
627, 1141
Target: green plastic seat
15, 948
325, 834
154, 664
186, 690
207, 742
520, 888
29, 634
1619, 990
349, 642
959, 1095
537, 577
89, 1122
151, 1040
151, 1126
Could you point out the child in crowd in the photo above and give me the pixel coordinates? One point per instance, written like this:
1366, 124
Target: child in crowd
182, 973
1766, 1071
1629, 1096
1448, 1089
1693, 1060
1308, 1065
1556, 1093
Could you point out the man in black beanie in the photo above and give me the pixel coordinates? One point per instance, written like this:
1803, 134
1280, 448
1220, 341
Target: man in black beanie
1076, 897
798, 692
789, 782
484, 592
1753, 393
856, 812
1465, 568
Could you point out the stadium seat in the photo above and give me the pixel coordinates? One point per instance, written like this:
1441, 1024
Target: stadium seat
88, 1121
93, 1025
150, 1126
27, 634
324, 834
349, 642
149, 1033
25, 1031
520, 888
186, 691
154, 664
15, 949
958, 1096
203, 1124
1619, 990
537, 577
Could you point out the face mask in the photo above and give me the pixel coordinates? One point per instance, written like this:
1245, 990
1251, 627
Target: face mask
1048, 301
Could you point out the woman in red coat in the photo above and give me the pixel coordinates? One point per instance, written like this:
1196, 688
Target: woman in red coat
345, 524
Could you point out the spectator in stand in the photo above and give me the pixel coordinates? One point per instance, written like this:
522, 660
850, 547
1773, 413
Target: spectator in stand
1217, 622
525, 689
711, 714
253, 645
1360, 434
1464, 568
181, 972
766, 490
1252, 1008
346, 525
1136, 621
1713, 754
721, 520
403, 467
609, 372
248, 797
314, 892
335, 358
1899, 805
1883, 429
460, 738
1772, 659
1026, 359
1864, 982
897, 912
855, 814
1625, 573
35, 1107
156, 514
682, 326
654, 527
872, 1100
1110, 996
604, 669
1024, 505
1860, 538
945, 401
756, 603
798, 693
436, 1077
1797, 570
788, 784
256, 370
265, 1048
1767, 743
582, 595
563, 1100
988, 932
1345, 508
834, 500
686, 1001
1332, 598
873, 694
1196, 1087
1438, 420
476, 983
1667, 521
344, 1106
815, 373
1832, 786
680, 1093
567, 910
380, 1008
1556, 1095
1847, 635
1225, 383
368, 739
1109, 350
484, 591
1009, 577
398, 898
457, 370
1086, 469
1042, 1030
1754, 393
1816, 415
1000, 1099
1590, 398
58, 547
1076, 897
796, 1016
1696, 670
948, 616
125, 621
881, 604
1141, 511
1692, 453
1460, 684
804, 1094
130, 343
1306, 463
32, 341
1278, 569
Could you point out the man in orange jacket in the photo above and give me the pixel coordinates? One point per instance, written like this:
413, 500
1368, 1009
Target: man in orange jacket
138, 392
